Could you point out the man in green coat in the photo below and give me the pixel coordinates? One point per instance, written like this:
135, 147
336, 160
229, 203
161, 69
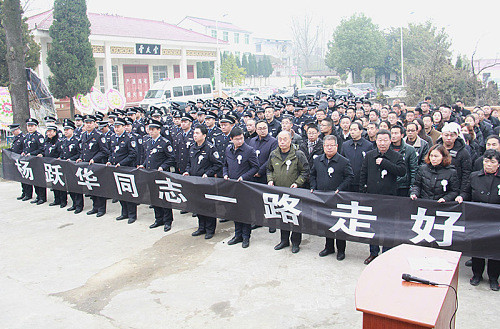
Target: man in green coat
287, 167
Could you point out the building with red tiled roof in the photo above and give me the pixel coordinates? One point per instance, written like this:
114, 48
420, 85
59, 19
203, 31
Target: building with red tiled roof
133, 53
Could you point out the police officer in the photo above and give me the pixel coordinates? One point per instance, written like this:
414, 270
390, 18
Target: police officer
33, 145
331, 172
137, 126
159, 155
70, 150
52, 149
212, 130
123, 153
50, 120
17, 147
78, 126
182, 142
106, 131
241, 163
204, 161
93, 149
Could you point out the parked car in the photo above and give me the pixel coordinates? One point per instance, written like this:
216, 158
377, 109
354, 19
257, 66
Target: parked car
397, 91
366, 87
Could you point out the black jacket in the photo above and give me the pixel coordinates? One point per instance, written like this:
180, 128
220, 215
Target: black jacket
331, 175
158, 154
381, 179
123, 150
17, 144
70, 149
52, 147
33, 144
434, 183
316, 152
93, 146
461, 160
483, 187
355, 152
203, 159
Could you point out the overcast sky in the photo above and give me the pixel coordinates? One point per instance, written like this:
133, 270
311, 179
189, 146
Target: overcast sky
466, 22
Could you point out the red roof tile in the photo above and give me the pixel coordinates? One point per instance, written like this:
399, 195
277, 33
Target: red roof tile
113, 25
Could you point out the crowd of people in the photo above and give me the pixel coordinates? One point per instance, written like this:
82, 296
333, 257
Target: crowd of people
443, 153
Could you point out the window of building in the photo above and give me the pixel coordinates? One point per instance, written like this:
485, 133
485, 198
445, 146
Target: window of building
214, 33
258, 48
159, 73
114, 76
101, 78
188, 90
247, 39
225, 36
190, 71
197, 90
236, 38
207, 89
177, 91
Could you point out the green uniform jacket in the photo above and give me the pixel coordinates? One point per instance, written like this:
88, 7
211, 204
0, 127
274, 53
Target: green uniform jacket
297, 170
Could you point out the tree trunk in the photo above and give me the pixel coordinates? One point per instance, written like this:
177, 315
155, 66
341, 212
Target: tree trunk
11, 20
71, 108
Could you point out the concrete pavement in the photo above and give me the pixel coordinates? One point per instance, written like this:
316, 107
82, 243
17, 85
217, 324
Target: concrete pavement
60, 270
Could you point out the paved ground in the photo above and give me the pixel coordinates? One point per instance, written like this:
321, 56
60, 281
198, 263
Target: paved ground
60, 270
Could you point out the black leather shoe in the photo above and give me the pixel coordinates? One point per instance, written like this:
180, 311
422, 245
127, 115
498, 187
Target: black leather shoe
167, 227
91, 212
208, 236
235, 240
222, 220
369, 259
155, 224
281, 245
114, 201
40, 202
63, 205
183, 212
54, 204
494, 285
272, 230
295, 249
340, 256
198, 232
35, 201
475, 280
26, 198
246, 244
151, 207
21, 197
468, 263
131, 220
72, 208
326, 252
77, 211
100, 214
194, 215
121, 217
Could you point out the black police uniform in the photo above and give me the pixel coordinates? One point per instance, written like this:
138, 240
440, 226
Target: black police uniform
70, 150
138, 128
182, 143
331, 175
124, 152
138, 142
159, 153
93, 146
17, 147
52, 149
33, 144
78, 132
204, 160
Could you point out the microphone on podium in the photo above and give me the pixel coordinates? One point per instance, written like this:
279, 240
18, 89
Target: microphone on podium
408, 277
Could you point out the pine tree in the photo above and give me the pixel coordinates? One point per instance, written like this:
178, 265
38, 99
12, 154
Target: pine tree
70, 58
244, 63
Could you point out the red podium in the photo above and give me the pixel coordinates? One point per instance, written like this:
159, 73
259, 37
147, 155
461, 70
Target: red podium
388, 302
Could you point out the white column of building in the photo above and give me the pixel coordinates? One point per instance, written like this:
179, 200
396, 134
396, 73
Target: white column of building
183, 63
108, 67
